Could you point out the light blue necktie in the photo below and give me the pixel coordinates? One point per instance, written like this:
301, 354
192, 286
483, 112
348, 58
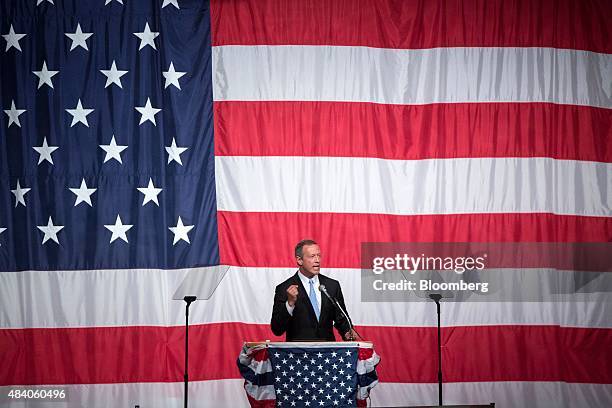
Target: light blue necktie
313, 298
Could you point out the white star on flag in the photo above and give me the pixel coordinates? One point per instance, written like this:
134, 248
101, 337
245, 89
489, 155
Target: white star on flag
180, 231
83, 194
150, 193
40, 1
172, 76
147, 37
119, 229
1, 231
44, 75
173, 2
50, 231
118, 1
79, 114
45, 151
79, 38
113, 150
174, 152
113, 75
13, 114
147, 112
20, 194
12, 39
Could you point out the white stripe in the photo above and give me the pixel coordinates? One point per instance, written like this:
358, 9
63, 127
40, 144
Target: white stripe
260, 392
439, 75
368, 365
231, 394
365, 392
66, 299
258, 367
504, 394
435, 186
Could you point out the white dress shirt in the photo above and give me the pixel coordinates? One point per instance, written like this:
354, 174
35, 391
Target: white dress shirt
306, 283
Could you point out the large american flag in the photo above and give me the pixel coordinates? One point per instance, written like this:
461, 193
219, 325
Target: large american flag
142, 140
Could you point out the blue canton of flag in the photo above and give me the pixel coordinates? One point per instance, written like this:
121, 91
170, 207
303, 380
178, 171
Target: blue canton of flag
106, 135
322, 377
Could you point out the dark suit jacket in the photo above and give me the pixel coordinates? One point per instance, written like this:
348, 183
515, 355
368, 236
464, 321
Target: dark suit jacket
303, 325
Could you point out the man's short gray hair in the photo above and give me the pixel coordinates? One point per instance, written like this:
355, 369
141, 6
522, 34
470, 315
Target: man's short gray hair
300, 246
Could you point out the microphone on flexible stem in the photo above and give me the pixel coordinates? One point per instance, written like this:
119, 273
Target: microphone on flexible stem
337, 304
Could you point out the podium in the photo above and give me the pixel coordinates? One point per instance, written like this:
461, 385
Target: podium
320, 373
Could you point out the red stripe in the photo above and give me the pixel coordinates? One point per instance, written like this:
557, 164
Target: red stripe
253, 239
574, 24
260, 355
260, 403
493, 353
123, 354
409, 132
155, 354
365, 353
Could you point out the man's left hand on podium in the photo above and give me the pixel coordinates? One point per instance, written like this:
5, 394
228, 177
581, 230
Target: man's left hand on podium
350, 335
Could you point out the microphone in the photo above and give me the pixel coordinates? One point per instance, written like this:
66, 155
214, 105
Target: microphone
323, 289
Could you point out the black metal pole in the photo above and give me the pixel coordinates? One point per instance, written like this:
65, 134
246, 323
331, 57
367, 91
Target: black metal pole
188, 300
436, 298
439, 358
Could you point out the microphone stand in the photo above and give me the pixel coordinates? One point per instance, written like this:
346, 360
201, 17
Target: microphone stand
436, 298
188, 300
337, 304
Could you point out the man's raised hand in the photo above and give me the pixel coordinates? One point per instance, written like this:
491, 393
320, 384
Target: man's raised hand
292, 294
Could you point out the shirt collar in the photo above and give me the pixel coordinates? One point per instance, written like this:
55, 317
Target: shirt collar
305, 280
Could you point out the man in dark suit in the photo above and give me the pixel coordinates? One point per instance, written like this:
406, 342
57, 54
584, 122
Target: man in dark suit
300, 309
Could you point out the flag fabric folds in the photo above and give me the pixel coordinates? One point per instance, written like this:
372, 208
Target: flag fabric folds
142, 140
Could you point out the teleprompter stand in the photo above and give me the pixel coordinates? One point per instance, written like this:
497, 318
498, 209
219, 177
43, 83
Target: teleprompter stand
199, 284
436, 298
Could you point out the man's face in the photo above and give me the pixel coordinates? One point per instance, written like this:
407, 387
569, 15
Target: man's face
310, 262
